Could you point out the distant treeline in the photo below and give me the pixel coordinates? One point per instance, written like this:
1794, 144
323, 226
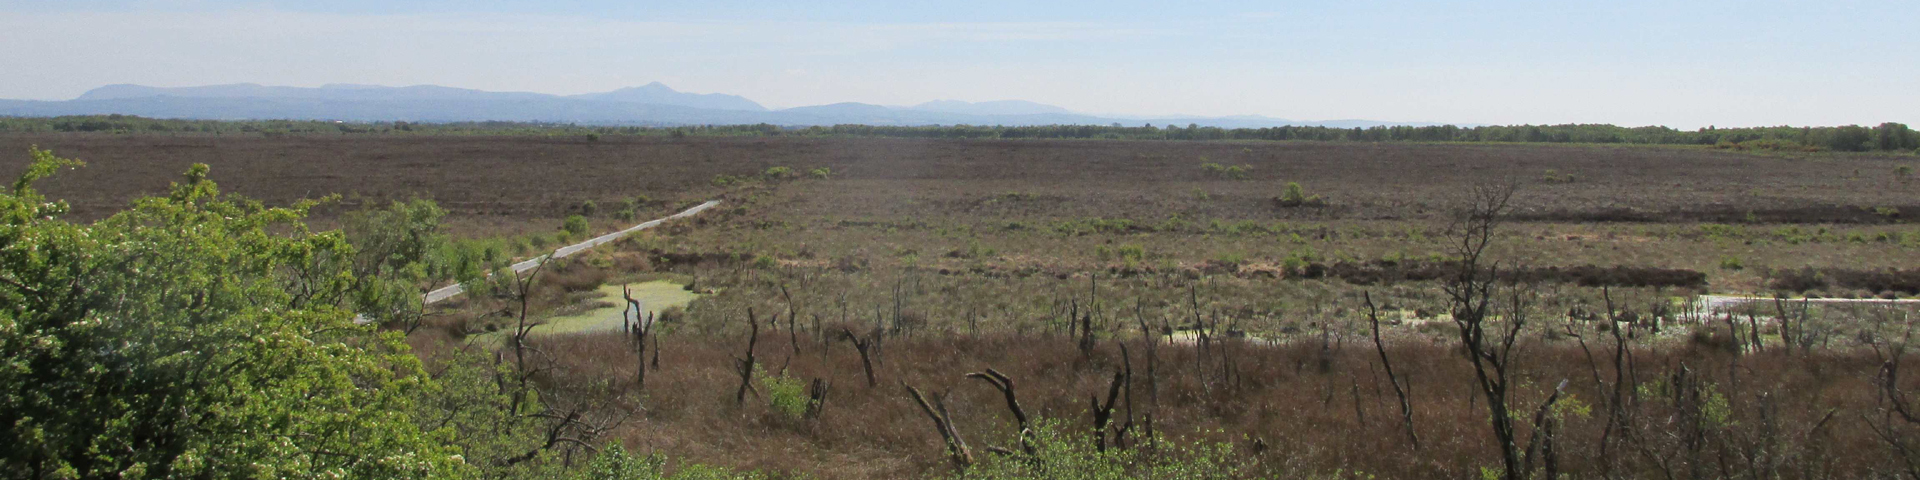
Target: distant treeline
1849, 138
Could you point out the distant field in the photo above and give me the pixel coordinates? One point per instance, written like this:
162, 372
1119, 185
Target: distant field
1055, 205
539, 177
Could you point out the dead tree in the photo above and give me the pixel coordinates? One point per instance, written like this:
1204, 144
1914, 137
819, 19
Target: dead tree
1152, 340
1103, 412
793, 315
862, 345
817, 397
1897, 418
746, 365
957, 450
1544, 422
1126, 367
1086, 334
568, 426
1073, 318
1616, 398
1004, 384
1086, 320
637, 331
1470, 290
522, 329
1793, 327
1406, 408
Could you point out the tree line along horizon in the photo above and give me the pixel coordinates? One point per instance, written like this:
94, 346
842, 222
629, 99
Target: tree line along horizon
1885, 137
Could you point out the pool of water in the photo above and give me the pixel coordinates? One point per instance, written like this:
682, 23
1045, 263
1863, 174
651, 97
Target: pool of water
654, 296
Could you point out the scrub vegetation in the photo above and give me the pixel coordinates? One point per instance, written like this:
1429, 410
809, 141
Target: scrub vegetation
868, 306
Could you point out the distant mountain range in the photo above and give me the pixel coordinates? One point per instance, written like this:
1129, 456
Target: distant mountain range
652, 104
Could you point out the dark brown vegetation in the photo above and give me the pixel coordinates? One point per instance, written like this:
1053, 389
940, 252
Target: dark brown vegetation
535, 177
1295, 410
1889, 281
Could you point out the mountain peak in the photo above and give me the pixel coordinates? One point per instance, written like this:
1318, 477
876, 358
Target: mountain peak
660, 94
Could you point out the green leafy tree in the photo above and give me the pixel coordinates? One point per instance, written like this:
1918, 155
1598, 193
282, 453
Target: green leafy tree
194, 336
399, 253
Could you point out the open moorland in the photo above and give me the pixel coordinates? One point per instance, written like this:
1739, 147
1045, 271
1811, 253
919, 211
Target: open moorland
1001, 308
542, 177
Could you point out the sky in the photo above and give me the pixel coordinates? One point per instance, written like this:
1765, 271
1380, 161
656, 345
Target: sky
1681, 63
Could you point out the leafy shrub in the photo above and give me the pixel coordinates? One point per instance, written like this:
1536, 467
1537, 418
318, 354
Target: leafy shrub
786, 395
973, 250
1731, 263
1231, 258
1236, 172
575, 225
588, 208
1062, 451
1296, 196
778, 173
821, 173
614, 463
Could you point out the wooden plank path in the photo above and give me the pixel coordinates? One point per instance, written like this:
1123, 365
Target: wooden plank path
450, 291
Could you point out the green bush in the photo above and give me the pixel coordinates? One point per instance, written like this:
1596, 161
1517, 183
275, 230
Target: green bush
1236, 172
1064, 451
975, 250
1731, 263
821, 173
575, 225
614, 463
778, 173
1296, 196
786, 395
187, 355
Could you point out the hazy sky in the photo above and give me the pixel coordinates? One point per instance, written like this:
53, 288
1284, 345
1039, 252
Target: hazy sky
1682, 63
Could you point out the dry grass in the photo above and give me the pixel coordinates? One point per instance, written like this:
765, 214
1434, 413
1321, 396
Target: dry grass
1316, 411
973, 252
